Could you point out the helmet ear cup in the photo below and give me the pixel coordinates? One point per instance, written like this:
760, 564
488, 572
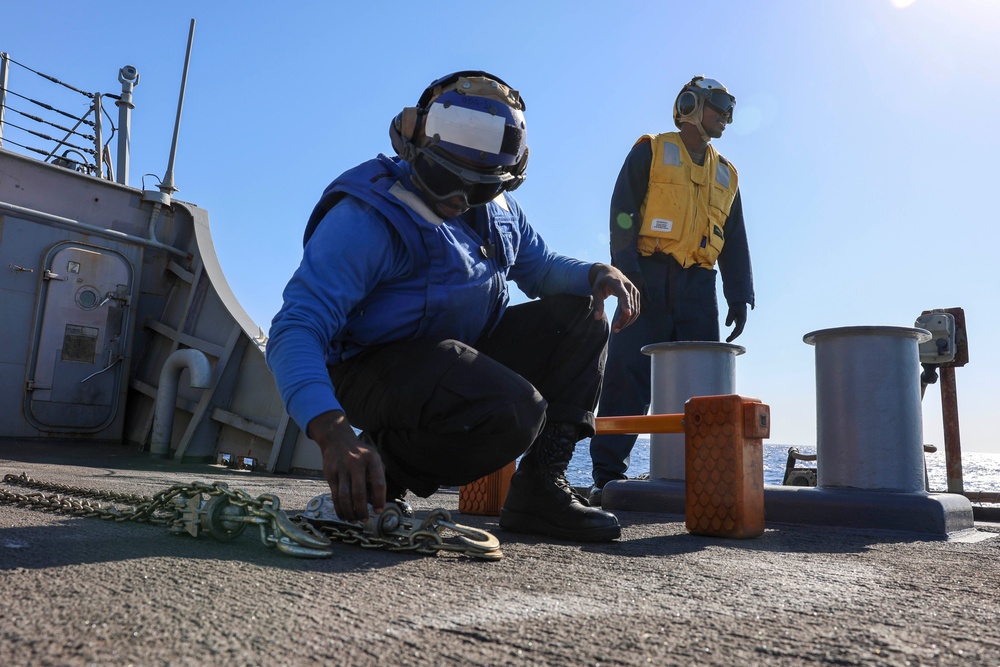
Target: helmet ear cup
687, 107
687, 102
519, 172
403, 132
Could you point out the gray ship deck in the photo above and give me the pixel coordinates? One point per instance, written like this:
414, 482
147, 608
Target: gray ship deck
83, 591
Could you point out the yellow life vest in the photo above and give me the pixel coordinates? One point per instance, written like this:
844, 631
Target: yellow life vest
686, 206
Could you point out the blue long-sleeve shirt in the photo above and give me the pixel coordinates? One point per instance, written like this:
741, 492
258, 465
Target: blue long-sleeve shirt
349, 278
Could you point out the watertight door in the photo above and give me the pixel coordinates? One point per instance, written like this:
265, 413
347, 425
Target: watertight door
80, 339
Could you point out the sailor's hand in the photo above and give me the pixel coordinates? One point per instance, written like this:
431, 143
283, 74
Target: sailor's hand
639, 280
609, 281
352, 468
738, 316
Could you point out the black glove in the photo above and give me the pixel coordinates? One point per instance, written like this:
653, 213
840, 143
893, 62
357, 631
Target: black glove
738, 316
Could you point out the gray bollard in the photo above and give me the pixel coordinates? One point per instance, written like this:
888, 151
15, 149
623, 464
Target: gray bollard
681, 370
868, 418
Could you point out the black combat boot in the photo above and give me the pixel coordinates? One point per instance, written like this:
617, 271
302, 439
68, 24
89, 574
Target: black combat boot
540, 500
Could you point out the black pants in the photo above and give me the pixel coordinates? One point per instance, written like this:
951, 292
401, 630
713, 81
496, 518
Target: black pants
444, 413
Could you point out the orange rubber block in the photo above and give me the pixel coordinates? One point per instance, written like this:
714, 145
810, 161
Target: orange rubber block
485, 496
724, 465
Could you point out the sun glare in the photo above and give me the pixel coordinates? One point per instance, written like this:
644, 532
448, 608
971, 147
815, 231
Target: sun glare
901, 4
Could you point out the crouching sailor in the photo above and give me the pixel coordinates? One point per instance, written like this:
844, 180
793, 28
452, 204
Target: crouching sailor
397, 322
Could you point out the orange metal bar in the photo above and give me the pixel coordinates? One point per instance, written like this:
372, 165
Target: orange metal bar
640, 424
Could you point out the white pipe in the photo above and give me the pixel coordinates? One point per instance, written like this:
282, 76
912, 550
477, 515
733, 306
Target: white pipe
198, 368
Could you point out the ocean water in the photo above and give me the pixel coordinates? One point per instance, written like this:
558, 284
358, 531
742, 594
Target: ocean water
980, 471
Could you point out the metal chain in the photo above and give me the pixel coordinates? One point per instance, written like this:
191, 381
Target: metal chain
144, 510
394, 531
199, 507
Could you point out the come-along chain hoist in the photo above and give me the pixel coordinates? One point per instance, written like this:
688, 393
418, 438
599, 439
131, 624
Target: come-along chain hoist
200, 508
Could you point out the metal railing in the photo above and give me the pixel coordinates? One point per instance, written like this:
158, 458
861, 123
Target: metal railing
61, 137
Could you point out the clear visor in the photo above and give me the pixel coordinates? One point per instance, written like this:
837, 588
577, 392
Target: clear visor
470, 131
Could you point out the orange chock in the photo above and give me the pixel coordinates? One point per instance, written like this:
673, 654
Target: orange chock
724, 465
485, 496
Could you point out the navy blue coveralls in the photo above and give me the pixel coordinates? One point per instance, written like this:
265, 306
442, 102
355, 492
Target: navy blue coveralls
677, 304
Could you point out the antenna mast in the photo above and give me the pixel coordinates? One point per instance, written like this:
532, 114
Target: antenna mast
167, 186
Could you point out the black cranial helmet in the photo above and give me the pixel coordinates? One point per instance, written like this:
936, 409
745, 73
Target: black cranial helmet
466, 136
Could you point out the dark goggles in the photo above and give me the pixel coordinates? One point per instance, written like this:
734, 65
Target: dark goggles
444, 179
721, 101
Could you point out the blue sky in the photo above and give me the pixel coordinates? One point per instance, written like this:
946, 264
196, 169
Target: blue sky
863, 137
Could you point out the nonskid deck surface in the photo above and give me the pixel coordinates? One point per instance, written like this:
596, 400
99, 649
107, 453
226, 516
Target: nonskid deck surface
83, 591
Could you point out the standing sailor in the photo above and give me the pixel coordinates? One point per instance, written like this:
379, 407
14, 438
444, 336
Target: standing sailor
675, 212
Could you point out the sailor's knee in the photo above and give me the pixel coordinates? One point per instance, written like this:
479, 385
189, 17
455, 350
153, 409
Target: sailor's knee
520, 421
